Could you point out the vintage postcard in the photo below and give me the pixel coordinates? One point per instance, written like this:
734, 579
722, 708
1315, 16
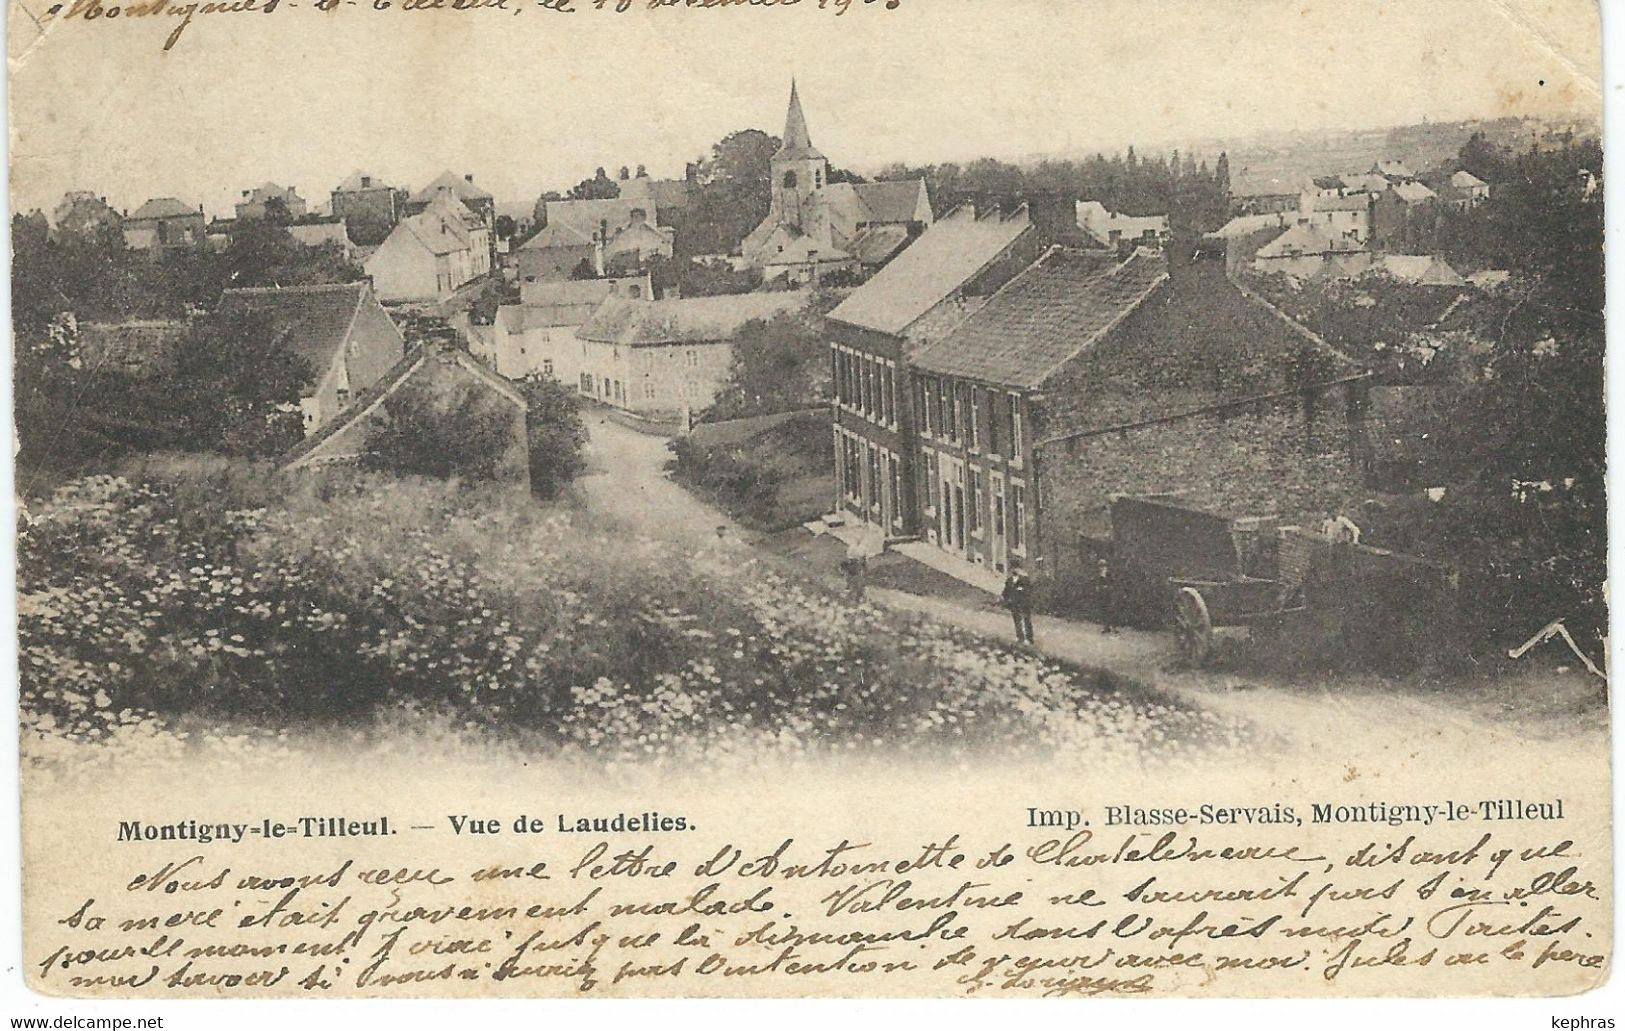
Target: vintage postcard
790, 498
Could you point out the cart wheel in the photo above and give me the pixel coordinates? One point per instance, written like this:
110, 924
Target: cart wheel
1194, 624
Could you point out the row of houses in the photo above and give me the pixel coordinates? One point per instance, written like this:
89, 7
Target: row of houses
1348, 225
997, 384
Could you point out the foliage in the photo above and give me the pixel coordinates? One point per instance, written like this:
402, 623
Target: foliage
221, 601
599, 187
226, 385
779, 364
732, 194
772, 478
464, 433
1195, 198
555, 431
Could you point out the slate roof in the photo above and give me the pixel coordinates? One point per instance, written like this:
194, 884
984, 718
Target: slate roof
1243, 225
797, 145
461, 188
893, 201
1465, 180
314, 321
1422, 269
943, 260
689, 320
163, 207
874, 245
1040, 319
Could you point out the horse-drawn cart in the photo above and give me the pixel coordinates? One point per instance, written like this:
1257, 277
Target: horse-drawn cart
1203, 571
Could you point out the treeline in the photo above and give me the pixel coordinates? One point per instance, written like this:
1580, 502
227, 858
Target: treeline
1195, 196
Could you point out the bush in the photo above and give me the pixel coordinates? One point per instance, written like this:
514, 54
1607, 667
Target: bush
466, 434
221, 597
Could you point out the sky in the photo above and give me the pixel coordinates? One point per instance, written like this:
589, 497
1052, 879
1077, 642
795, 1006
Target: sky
536, 100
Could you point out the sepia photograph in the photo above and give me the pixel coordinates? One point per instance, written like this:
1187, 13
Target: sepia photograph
810, 499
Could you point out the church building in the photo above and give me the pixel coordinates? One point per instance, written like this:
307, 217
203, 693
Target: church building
816, 227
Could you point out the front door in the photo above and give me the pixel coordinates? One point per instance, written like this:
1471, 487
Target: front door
996, 539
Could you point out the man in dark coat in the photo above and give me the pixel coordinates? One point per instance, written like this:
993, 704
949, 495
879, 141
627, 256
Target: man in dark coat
1018, 598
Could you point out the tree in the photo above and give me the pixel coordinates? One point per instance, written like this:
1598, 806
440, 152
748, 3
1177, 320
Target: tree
732, 195
465, 433
555, 432
779, 364
599, 187
231, 386
506, 227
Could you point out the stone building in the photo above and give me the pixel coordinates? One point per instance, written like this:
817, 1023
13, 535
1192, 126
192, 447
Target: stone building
815, 227
163, 223
1086, 377
256, 203
341, 332
369, 207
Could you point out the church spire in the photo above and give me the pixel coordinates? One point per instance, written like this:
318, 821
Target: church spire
797, 144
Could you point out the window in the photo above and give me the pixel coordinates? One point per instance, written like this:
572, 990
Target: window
953, 412
973, 518
926, 494
1018, 517
992, 423
586, 383
648, 388
547, 367
896, 492
927, 389
1015, 428
943, 420
344, 396
975, 434
693, 357
789, 180
874, 479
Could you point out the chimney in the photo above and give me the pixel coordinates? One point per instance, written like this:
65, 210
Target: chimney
469, 177
366, 181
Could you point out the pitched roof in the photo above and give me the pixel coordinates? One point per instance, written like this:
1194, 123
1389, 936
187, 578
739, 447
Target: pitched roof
892, 201
1422, 269
1465, 180
1100, 223
1043, 317
369, 399
586, 217
1348, 202
564, 302
163, 207
1305, 238
689, 320
1413, 192
1243, 225
461, 188
557, 234
797, 145
314, 321
1393, 169
874, 245
1370, 182
942, 261
355, 183
269, 191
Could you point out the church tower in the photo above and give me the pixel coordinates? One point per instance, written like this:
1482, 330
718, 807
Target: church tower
799, 170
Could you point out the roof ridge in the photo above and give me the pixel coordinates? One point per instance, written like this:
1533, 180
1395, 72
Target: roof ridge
304, 288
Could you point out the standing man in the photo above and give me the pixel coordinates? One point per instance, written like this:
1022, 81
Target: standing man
1018, 599
1104, 596
856, 568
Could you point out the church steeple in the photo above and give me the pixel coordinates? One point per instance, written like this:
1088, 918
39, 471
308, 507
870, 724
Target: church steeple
797, 144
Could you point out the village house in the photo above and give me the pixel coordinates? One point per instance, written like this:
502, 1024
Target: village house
1400, 213
538, 335
81, 213
658, 194
815, 227
1087, 376
319, 231
1464, 190
451, 190
163, 223
369, 207
341, 332
1109, 229
662, 359
587, 237
949, 272
264, 197
429, 256
429, 373
1306, 251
